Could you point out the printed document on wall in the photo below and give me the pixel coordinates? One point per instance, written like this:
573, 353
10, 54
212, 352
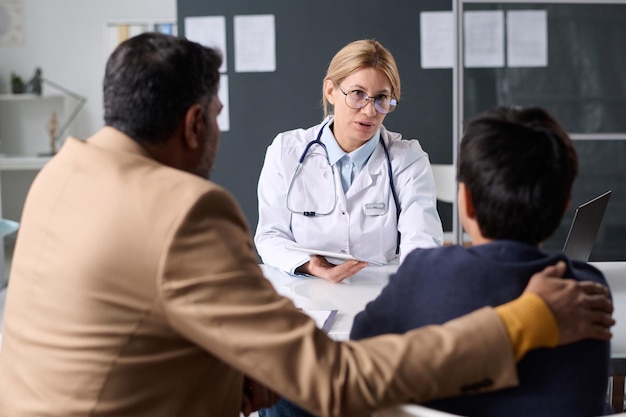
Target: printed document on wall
255, 43
437, 39
223, 119
484, 39
209, 31
12, 29
527, 38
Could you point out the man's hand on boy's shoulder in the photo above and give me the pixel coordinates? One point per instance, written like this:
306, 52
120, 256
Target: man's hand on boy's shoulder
582, 309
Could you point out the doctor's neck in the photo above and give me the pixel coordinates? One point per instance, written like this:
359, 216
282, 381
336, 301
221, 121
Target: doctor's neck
346, 143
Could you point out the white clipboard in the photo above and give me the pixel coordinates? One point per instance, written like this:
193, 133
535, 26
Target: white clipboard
327, 254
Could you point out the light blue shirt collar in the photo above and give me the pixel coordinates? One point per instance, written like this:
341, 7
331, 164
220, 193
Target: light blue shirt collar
359, 156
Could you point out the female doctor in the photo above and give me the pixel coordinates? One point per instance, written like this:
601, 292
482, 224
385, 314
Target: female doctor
347, 185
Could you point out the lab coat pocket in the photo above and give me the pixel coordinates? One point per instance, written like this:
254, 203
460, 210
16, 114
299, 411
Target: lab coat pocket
374, 209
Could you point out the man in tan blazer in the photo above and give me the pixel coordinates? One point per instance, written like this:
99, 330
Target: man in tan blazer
135, 290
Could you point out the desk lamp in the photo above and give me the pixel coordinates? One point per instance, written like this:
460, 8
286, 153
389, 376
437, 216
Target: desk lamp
34, 86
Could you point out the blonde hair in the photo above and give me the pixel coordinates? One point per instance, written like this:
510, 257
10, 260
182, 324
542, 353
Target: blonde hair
357, 55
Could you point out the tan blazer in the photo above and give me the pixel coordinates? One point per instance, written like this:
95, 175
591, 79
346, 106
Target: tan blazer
135, 291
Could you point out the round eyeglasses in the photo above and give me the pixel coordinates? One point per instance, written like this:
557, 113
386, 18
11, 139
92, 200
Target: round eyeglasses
357, 99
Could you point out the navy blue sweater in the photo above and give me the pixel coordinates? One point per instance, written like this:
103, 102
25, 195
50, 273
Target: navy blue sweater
433, 286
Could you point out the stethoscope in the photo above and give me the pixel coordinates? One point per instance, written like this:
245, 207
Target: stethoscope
318, 141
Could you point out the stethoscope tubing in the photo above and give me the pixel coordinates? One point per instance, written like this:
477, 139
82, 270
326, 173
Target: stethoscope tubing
319, 142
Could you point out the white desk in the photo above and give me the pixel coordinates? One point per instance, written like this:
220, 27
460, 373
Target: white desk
350, 296
347, 297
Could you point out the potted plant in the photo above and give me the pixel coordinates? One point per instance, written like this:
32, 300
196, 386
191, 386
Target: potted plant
17, 84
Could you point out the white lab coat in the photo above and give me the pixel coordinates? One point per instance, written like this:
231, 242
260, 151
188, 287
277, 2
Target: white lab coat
363, 222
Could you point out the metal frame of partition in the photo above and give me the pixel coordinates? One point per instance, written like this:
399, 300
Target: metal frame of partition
457, 89
618, 364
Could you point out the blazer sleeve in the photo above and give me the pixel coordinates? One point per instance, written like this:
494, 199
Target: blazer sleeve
214, 294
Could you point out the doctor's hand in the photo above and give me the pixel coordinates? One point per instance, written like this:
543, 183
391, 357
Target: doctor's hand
582, 309
318, 266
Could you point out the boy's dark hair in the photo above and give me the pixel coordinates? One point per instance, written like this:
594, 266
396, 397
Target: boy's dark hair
152, 79
519, 166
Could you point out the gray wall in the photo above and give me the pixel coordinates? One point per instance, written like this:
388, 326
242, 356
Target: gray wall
308, 34
66, 39
584, 87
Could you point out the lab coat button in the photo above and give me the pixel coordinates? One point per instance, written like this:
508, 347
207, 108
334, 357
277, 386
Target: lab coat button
343, 212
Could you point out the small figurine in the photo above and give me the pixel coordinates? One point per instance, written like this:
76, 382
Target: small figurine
52, 131
34, 84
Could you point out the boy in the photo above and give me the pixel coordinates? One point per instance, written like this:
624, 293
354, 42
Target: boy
515, 171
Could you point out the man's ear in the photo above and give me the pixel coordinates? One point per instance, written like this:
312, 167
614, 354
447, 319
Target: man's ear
194, 126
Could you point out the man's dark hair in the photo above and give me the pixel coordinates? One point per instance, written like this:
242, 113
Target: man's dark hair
519, 166
152, 79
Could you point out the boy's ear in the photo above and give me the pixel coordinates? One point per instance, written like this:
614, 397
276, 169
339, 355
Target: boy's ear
194, 125
567, 204
467, 200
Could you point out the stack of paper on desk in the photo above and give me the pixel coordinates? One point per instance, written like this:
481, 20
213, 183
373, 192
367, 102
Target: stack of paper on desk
323, 318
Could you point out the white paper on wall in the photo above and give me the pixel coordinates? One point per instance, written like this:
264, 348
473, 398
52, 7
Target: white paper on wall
255, 43
437, 39
527, 38
12, 29
484, 38
209, 31
223, 119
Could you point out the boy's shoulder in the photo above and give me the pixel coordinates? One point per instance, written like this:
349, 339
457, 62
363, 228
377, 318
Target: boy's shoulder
584, 271
425, 261
435, 254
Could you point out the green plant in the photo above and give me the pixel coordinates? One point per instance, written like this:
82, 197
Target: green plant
16, 79
17, 84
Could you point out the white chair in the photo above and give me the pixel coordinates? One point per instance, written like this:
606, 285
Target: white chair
6, 228
411, 410
445, 181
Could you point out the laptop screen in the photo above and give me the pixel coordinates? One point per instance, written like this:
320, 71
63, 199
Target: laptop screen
584, 229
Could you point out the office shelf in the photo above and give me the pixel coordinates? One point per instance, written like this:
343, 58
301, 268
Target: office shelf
22, 163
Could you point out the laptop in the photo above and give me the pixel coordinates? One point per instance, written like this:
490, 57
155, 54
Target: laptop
584, 229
